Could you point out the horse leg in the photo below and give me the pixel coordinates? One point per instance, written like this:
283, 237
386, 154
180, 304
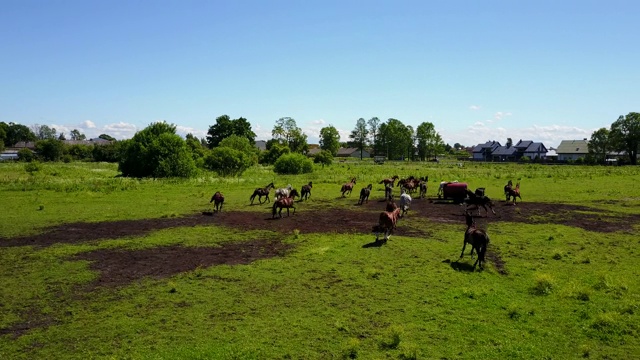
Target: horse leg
464, 245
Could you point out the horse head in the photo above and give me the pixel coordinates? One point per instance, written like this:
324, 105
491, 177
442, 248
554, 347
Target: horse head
293, 193
370, 186
391, 206
270, 186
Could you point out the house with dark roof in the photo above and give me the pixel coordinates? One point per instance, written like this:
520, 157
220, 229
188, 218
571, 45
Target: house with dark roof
532, 150
261, 145
482, 152
504, 153
572, 149
352, 152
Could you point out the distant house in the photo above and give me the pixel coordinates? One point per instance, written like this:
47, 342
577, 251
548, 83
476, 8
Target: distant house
482, 152
25, 144
352, 152
530, 149
503, 153
261, 145
572, 149
313, 151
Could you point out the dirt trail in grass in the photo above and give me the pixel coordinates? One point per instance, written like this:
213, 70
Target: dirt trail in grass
358, 219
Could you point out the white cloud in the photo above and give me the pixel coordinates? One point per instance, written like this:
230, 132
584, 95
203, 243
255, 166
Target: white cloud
501, 115
312, 129
474, 107
120, 130
184, 130
261, 133
87, 124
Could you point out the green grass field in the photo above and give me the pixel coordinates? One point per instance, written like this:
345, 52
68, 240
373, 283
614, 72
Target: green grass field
569, 293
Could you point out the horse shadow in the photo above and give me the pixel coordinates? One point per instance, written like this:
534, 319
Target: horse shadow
461, 266
373, 244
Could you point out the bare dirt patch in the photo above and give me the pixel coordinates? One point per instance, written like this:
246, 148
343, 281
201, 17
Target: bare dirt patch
358, 219
120, 267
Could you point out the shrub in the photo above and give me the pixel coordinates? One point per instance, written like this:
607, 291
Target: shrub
543, 284
275, 151
25, 155
227, 161
32, 167
50, 149
242, 144
156, 151
293, 164
324, 157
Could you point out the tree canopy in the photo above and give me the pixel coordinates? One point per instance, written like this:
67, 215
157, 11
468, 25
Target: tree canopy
225, 127
625, 135
599, 145
16, 133
286, 131
358, 136
394, 139
330, 139
156, 151
430, 143
77, 135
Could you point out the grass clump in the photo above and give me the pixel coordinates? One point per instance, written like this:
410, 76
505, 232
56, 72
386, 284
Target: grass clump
351, 348
392, 338
543, 284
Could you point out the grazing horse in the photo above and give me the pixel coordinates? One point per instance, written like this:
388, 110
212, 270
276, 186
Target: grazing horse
387, 222
305, 192
389, 181
388, 192
364, 194
283, 192
405, 201
507, 190
477, 238
260, 192
348, 187
217, 199
284, 203
424, 183
514, 193
477, 201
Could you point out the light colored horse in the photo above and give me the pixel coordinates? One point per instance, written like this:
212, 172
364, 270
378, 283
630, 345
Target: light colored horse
283, 192
405, 201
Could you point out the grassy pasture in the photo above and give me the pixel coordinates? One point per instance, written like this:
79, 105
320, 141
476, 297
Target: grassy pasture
568, 293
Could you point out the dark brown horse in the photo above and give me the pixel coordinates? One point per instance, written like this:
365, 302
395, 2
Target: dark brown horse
507, 189
389, 181
305, 192
260, 192
218, 200
348, 187
478, 201
284, 203
477, 238
423, 184
387, 222
514, 193
388, 192
364, 194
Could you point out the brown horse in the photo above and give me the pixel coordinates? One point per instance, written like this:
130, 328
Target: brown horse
388, 192
284, 203
389, 181
507, 190
217, 199
387, 222
478, 201
514, 193
305, 192
477, 238
260, 192
348, 187
364, 194
423, 184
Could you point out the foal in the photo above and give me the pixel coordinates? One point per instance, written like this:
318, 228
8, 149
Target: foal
477, 238
364, 194
217, 199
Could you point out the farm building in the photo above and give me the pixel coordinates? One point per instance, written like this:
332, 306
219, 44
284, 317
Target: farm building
352, 152
572, 149
482, 152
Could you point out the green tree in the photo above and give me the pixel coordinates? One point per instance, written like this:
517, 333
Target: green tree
44, 132
374, 127
394, 139
430, 143
242, 144
599, 145
509, 142
17, 133
225, 127
330, 139
106, 137
156, 151
324, 157
77, 135
359, 135
50, 149
108, 152
61, 137
293, 164
625, 135
274, 150
198, 151
227, 161
25, 155
3, 135
286, 131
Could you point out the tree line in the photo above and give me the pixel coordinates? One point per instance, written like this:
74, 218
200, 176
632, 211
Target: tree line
622, 136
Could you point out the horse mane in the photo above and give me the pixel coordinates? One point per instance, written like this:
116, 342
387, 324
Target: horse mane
370, 186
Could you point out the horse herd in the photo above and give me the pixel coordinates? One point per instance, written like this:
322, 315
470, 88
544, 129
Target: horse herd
477, 238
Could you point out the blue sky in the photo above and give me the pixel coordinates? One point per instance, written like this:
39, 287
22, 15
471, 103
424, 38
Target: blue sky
478, 70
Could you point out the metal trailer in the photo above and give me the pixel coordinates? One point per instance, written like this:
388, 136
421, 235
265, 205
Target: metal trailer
454, 191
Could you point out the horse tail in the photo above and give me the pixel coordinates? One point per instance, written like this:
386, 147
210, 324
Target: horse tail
274, 210
253, 196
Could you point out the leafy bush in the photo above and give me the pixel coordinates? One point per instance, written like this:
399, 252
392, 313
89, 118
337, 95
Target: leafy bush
241, 144
274, 152
324, 157
32, 167
79, 152
50, 149
293, 164
108, 152
25, 155
227, 161
156, 151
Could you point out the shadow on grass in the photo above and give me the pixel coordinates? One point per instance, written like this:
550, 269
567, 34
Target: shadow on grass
373, 244
458, 266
